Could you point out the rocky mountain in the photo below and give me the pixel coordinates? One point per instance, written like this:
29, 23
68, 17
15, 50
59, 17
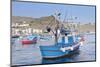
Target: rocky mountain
19, 19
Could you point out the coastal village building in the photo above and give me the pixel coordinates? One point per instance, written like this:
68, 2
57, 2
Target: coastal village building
24, 28
27, 25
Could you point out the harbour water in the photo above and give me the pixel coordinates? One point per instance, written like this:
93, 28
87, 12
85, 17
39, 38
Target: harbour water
31, 54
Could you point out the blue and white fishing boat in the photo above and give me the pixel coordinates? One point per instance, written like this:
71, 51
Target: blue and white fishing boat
45, 38
70, 42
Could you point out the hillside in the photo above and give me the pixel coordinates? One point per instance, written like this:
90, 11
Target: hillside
42, 22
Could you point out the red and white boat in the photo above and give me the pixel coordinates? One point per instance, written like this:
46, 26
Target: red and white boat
29, 40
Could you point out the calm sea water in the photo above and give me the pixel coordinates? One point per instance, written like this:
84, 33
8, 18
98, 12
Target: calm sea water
26, 55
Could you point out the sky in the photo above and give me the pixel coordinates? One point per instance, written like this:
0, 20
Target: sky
84, 14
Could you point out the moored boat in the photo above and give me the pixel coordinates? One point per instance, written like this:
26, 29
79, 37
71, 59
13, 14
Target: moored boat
61, 49
70, 41
45, 38
29, 40
15, 36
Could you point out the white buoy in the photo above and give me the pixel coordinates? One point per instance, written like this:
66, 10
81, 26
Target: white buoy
62, 49
71, 48
81, 43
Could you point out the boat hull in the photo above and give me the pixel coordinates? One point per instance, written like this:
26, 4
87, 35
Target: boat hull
27, 42
51, 52
55, 52
15, 36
